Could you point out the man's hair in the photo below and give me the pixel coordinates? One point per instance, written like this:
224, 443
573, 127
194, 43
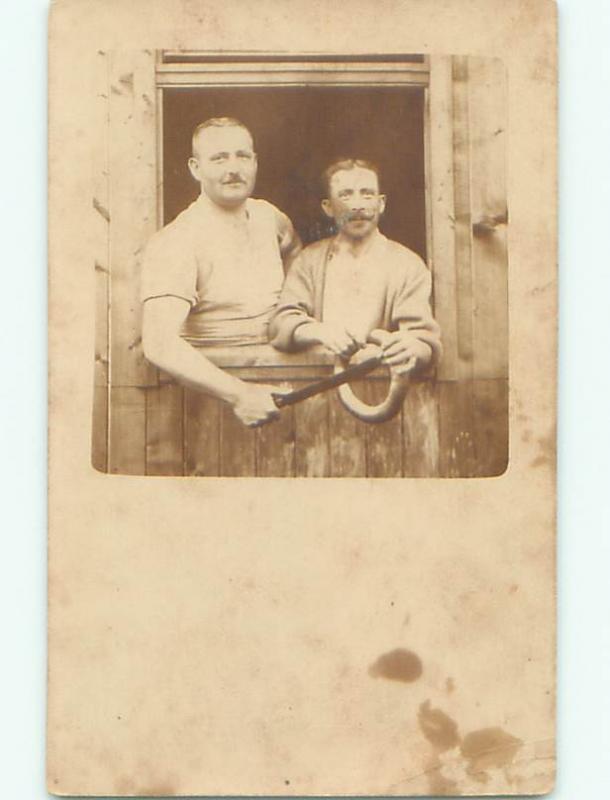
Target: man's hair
217, 122
345, 164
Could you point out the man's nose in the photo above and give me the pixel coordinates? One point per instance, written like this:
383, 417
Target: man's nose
232, 164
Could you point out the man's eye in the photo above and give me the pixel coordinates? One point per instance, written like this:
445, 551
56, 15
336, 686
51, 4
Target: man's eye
244, 156
219, 157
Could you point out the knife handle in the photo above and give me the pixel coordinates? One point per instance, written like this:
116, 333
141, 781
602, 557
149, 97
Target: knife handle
278, 399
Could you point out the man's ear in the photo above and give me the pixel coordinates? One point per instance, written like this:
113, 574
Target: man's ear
326, 208
194, 168
382, 201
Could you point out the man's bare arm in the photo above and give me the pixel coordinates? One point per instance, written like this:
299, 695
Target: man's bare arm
289, 240
162, 321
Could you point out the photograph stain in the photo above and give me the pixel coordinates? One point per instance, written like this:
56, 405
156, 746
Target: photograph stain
449, 685
455, 772
438, 728
397, 665
546, 455
489, 748
127, 81
439, 784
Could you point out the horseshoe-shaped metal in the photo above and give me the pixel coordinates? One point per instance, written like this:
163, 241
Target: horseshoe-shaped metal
381, 412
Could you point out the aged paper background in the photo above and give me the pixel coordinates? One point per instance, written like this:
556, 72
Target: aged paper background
224, 636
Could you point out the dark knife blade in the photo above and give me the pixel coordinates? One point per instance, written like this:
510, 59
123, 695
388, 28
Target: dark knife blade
349, 374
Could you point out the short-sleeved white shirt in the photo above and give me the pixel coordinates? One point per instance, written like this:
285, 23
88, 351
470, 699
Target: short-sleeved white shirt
226, 264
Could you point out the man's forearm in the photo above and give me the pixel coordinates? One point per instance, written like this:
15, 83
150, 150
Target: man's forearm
191, 368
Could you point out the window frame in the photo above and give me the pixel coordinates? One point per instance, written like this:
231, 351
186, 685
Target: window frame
250, 69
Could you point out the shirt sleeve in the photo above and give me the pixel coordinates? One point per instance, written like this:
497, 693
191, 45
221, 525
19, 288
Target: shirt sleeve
169, 268
411, 309
288, 238
295, 305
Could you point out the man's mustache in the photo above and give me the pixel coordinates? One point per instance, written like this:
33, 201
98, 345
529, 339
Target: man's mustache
233, 179
359, 216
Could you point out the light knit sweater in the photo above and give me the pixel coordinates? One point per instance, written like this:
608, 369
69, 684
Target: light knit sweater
396, 288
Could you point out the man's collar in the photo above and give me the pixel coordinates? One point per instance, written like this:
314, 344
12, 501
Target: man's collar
203, 203
341, 244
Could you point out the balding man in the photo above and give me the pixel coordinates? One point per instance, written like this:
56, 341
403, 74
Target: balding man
214, 274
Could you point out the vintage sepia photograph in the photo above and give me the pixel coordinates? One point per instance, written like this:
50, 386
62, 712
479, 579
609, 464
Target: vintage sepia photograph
301, 265
286, 241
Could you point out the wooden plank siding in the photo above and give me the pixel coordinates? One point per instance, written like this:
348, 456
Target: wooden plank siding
237, 446
312, 450
441, 201
383, 441
201, 434
488, 126
464, 288
491, 433
165, 430
132, 215
346, 439
420, 431
101, 241
445, 429
127, 433
99, 429
454, 425
276, 447
133, 207
471, 294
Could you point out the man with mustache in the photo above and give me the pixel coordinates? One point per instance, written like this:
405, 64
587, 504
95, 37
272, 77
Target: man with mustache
214, 274
342, 291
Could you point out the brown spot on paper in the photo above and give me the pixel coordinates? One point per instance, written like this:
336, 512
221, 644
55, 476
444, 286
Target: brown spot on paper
489, 748
127, 81
546, 455
397, 665
438, 728
101, 209
438, 783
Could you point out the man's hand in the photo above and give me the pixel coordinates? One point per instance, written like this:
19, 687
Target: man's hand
402, 351
337, 338
254, 404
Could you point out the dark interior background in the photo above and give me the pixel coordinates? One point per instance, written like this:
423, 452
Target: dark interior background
298, 132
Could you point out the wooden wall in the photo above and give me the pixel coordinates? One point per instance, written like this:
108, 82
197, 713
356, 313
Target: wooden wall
454, 426
468, 219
